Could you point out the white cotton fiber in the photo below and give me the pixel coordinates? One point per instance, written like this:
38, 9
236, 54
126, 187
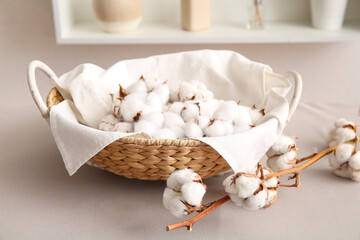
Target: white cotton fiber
229, 127
190, 112
216, 129
108, 122
174, 95
246, 186
212, 106
282, 145
343, 122
144, 126
272, 182
344, 172
242, 117
176, 107
272, 195
178, 130
176, 207
168, 195
124, 127
152, 83
333, 162
153, 101
193, 193
354, 161
281, 162
137, 87
156, 118
355, 175
229, 185
192, 130
131, 105
164, 133
203, 121
238, 201
163, 92
187, 91
180, 177
344, 134
257, 201
255, 115
343, 152
172, 119
227, 111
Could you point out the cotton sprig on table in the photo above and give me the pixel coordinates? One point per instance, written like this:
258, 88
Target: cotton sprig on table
345, 160
283, 154
189, 111
184, 192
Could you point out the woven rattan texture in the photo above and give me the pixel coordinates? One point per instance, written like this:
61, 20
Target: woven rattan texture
150, 159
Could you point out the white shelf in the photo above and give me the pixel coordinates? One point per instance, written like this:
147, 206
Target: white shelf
79, 27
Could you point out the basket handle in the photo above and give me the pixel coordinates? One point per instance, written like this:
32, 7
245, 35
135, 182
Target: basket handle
297, 92
40, 103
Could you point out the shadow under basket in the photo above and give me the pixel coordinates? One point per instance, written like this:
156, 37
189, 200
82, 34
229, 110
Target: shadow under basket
153, 159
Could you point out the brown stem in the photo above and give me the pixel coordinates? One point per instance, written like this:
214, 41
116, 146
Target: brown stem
356, 144
305, 158
188, 223
301, 167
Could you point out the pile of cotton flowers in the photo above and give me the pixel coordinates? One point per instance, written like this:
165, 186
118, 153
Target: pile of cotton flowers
252, 190
184, 192
190, 111
283, 154
345, 160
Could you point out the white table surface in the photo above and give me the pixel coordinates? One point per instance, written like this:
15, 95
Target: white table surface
38, 200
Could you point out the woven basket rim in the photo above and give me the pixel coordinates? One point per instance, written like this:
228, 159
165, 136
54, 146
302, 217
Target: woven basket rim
54, 97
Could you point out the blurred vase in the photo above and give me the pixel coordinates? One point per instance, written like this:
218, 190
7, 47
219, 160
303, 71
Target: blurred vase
328, 14
118, 16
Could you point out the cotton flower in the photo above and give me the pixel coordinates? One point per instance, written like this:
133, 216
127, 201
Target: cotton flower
108, 122
194, 90
164, 133
124, 127
242, 117
172, 119
227, 111
163, 92
203, 121
250, 190
176, 107
212, 106
192, 130
344, 131
137, 87
283, 154
152, 83
255, 114
174, 95
153, 102
190, 112
131, 106
184, 192
145, 126
156, 118
216, 129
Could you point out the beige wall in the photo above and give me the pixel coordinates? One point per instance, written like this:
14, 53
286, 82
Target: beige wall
330, 71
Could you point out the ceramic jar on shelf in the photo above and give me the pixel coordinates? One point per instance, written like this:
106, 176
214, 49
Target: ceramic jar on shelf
118, 16
328, 14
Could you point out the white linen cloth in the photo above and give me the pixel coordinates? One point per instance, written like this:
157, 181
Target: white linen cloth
227, 74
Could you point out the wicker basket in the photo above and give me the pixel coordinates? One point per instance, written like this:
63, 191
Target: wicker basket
149, 159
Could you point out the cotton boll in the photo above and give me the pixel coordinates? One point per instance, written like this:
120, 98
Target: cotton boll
344, 172
192, 130
229, 128
227, 111
151, 84
137, 87
343, 152
355, 175
343, 122
284, 161
156, 118
130, 106
172, 119
108, 122
354, 161
238, 201
164, 133
178, 130
242, 117
203, 121
216, 129
238, 129
257, 201
211, 107
176, 207
272, 182
174, 95
272, 195
190, 112
344, 134
193, 193
154, 101
176, 107
283, 144
255, 115
229, 185
333, 162
202, 108
180, 177
124, 127
246, 186
163, 92
168, 195
187, 91
144, 126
